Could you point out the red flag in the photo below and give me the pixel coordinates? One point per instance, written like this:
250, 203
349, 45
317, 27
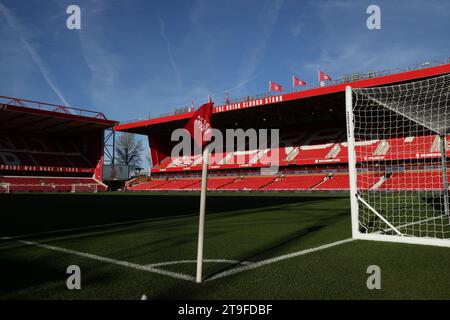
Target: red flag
297, 82
275, 86
199, 126
323, 76
209, 99
227, 98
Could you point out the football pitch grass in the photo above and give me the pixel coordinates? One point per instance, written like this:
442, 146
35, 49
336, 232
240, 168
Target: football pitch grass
257, 246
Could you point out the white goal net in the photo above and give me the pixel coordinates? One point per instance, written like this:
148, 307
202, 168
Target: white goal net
398, 144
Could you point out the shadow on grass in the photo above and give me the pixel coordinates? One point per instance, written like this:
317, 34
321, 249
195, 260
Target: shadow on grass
263, 252
42, 278
31, 213
17, 274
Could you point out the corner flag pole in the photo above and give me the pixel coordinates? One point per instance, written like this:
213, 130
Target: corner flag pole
201, 223
199, 127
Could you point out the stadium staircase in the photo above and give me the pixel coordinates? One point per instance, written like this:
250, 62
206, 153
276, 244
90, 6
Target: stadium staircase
213, 183
294, 182
177, 184
136, 180
378, 184
334, 182
148, 185
249, 183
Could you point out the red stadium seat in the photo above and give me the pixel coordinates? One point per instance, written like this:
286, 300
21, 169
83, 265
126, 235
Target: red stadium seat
295, 182
249, 183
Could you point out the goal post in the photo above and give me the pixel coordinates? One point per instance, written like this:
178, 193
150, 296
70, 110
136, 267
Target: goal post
351, 160
397, 139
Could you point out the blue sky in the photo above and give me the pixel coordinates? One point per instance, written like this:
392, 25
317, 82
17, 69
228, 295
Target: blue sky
138, 58
135, 58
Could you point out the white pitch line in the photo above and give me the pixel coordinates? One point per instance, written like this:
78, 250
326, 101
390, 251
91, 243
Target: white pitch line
105, 259
299, 253
246, 265
277, 259
160, 264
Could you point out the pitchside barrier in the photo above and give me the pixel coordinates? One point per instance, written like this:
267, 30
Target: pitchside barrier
116, 173
74, 188
399, 191
84, 188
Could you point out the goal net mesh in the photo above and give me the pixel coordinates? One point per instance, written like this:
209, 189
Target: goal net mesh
401, 147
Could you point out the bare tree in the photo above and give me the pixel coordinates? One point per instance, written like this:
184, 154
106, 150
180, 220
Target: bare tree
129, 150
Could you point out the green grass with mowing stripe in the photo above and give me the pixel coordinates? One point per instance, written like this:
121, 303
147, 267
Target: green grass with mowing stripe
152, 228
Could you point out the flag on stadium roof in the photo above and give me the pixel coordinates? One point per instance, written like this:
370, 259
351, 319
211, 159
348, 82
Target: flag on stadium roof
323, 76
227, 98
199, 126
297, 82
275, 86
209, 99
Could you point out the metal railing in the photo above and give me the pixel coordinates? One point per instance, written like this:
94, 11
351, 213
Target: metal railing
51, 107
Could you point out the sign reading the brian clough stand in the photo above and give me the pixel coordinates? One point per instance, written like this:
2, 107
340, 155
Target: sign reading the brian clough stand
249, 103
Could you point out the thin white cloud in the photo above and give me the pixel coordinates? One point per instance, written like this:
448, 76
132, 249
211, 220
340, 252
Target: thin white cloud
40, 64
296, 29
269, 19
14, 24
102, 63
198, 9
169, 51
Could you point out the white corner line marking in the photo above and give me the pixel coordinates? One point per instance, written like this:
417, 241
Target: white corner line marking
105, 259
168, 263
246, 265
277, 259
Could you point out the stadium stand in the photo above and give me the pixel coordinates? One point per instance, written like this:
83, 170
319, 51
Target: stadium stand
149, 185
214, 183
311, 182
335, 182
178, 184
312, 146
50, 148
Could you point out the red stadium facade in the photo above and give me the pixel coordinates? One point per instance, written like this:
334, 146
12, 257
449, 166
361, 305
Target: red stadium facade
46, 147
312, 151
